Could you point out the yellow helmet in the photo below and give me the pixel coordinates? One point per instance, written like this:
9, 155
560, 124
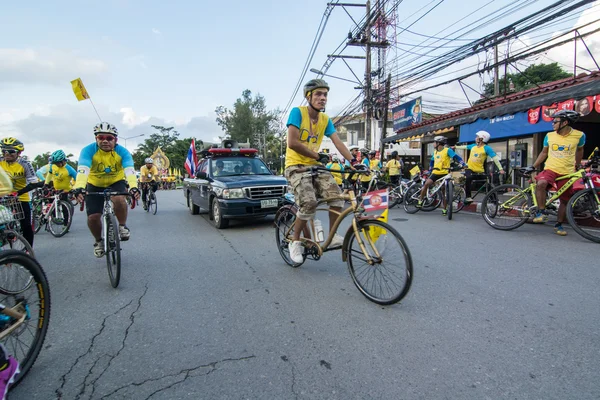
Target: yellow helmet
12, 143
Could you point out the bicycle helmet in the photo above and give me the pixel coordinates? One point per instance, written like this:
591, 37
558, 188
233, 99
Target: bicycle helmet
569, 115
483, 135
58, 156
12, 143
314, 84
353, 147
364, 151
148, 161
440, 139
105, 127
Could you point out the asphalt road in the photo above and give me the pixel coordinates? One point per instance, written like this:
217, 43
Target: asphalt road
215, 314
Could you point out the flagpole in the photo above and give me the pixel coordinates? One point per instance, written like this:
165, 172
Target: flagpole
90, 99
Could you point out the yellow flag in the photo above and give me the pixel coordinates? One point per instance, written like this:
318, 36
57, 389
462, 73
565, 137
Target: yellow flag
79, 89
415, 170
376, 231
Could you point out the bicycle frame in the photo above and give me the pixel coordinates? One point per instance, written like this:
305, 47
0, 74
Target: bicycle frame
15, 313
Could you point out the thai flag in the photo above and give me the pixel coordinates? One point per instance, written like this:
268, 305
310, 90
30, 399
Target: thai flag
376, 200
191, 162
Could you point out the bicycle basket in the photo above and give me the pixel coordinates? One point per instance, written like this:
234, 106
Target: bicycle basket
10, 209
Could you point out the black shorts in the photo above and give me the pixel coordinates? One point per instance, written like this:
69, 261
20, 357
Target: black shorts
94, 204
435, 177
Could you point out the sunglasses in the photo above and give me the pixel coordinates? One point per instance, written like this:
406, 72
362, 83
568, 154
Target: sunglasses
556, 122
108, 138
9, 151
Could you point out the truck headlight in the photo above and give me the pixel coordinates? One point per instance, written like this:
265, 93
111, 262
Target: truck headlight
233, 194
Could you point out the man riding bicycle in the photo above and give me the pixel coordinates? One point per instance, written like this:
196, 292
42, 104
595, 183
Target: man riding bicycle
105, 165
148, 174
59, 176
440, 167
307, 125
480, 151
563, 151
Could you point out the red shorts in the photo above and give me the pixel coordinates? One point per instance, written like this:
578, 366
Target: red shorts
550, 177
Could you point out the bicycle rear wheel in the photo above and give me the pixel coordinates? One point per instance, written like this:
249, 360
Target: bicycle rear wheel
458, 203
387, 279
284, 229
112, 246
583, 213
411, 198
23, 285
449, 198
395, 196
152, 206
59, 225
431, 203
506, 207
11, 240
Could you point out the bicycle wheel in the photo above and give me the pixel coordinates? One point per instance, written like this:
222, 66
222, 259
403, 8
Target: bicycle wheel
583, 213
59, 225
284, 229
152, 206
395, 196
449, 198
411, 198
458, 203
23, 285
506, 207
11, 240
433, 202
112, 246
37, 223
387, 279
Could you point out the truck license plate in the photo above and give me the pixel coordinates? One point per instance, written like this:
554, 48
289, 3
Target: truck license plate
271, 203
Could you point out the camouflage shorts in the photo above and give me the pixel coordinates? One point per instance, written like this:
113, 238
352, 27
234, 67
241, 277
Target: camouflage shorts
306, 193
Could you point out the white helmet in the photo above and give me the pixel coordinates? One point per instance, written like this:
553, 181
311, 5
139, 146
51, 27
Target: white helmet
148, 161
440, 139
353, 147
484, 135
105, 127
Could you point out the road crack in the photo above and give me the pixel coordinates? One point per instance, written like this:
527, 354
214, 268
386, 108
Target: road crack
185, 372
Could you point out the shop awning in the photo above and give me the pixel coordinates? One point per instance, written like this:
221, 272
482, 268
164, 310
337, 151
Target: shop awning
511, 125
577, 88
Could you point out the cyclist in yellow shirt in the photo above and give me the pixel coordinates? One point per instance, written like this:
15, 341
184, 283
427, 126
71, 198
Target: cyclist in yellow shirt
105, 165
148, 177
336, 165
563, 151
394, 168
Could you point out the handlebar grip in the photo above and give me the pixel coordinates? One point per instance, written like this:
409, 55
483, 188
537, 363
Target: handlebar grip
133, 202
81, 205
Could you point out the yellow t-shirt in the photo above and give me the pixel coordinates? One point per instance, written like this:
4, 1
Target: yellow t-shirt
393, 167
561, 151
60, 176
103, 168
336, 167
144, 172
311, 135
21, 173
442, 161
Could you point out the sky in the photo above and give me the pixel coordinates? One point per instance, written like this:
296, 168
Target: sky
172, 63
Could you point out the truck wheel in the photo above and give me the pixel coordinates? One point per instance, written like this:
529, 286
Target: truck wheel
217, 216
194, 209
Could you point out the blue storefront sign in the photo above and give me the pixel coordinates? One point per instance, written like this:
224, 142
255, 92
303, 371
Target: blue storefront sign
407, 114
510, 125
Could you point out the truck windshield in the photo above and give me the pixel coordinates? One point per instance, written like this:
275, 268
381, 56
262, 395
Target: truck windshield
231, 166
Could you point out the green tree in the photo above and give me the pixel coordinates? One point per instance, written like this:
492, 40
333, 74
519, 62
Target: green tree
528, 78
168, 139
42, 159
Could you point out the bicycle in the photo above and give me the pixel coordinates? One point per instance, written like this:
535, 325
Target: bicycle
367, 245
24, 308
509, 206
56, 215
433, 196
110, 234
11, 212
151, 204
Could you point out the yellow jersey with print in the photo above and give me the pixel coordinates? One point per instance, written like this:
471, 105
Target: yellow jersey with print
374, 165
442, 160
336, 166
149, 174
103, 168
61, 176
479, 154
393, 167
21, 173
562, 150
311, 135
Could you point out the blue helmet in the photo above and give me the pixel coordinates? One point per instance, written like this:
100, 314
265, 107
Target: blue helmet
58, 156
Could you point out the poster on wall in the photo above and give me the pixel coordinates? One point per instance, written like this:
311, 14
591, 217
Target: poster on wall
583, 106
407, 114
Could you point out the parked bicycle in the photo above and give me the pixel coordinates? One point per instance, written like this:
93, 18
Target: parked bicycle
433, 196
378, 258
110, 234
52, 212
11, 211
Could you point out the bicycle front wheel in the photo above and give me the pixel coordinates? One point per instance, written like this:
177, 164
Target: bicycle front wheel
506, 207
24, 287
411, 198
112, 248
385, 276
152, 206
59, 223
583, 213
284, 229
11, 240
458, 202
395, 196
449, 198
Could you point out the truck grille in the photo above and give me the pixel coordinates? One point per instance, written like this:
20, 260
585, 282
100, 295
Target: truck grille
264, 192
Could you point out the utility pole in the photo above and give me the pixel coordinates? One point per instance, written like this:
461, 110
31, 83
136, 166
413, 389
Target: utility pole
386, 103
496, 71
368, 78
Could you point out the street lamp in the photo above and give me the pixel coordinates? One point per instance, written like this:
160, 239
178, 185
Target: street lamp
316, 71
131, 137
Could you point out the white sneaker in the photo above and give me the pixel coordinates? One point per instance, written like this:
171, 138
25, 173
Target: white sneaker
337, 241
123, 233
99, 249
296, 252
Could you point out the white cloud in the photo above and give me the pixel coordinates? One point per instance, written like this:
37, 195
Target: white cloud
49, 66
156, 31
130, 118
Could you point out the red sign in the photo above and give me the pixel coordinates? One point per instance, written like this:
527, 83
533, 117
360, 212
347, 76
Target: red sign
548, 112
566, 105
597, 102
533, 115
